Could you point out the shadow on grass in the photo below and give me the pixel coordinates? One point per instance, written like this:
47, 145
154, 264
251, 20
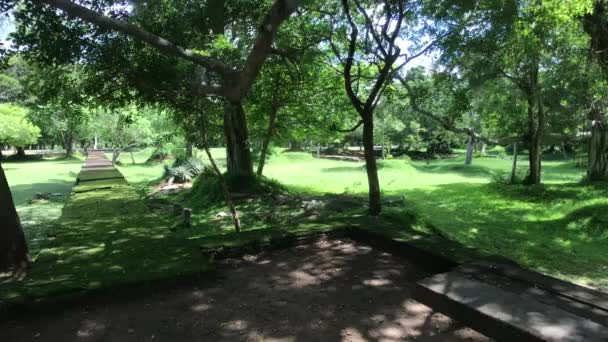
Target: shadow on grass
351, 168
23, 193
105, 238
560, 232
108, 237
459, 169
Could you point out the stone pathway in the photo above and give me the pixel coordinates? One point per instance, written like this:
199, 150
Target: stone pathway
99, 170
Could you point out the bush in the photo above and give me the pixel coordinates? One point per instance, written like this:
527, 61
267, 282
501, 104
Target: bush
165, 152
181, 173
185, 170
207, 188
405, 157
504, 178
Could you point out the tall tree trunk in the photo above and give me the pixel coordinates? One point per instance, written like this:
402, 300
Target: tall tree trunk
375, 205
470, 147
514, 165
225, 191
189, 148
597, 168
536, 122
564, 152
68, 142
223, 184
20, 151
295, 145
266, 141
13, 247
238, 154
115, 155
95, 145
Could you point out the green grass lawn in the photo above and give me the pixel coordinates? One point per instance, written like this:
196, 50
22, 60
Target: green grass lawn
109, 237
53, 176
556, 229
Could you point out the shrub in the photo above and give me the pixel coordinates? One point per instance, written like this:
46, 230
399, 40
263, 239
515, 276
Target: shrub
185, 170
196, 166
207, 188
181, 173
405, 157
504, 178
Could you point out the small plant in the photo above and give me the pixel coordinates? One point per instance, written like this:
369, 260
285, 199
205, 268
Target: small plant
196, 166
181, 174
185, 170
504, 178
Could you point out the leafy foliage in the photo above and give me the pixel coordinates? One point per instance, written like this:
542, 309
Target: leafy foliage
15, 127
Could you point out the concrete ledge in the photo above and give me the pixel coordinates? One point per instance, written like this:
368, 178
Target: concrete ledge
504, 315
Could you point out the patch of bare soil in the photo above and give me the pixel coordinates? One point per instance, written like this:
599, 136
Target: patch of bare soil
330, 290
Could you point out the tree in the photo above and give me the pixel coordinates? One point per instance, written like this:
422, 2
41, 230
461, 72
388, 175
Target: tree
58, 104
595, 24
123, 129
442, 101
519, 41
366, 46
13, 247
217, 78
15, 128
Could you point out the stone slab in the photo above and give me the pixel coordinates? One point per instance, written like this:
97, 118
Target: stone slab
503, 315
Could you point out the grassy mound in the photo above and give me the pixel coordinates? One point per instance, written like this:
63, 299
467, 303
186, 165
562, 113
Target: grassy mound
207, 188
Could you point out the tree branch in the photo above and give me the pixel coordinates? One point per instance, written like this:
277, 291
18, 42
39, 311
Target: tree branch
348, 64
354, 128
449, 126
279, 12
107, 23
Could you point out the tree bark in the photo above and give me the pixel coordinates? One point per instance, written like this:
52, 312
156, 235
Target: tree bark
266, 141
189, 150
20, 151
470, 147
375, 205
535, 123
514, 165
238, 154
13, 247
68, 141
225, 192
597, 168
563, 149
115, 155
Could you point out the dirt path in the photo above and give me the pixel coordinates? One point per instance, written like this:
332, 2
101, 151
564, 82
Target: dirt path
332, 290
